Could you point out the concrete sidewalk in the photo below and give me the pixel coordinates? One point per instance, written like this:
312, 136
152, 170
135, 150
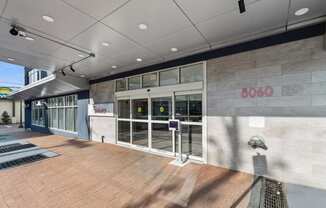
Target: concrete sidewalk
94, 175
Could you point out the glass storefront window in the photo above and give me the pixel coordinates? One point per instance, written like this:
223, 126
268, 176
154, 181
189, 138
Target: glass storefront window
124, 109
169, 77
150, 80
62, 112
192, 73
124, 131
38, 115
121, 85
134, 83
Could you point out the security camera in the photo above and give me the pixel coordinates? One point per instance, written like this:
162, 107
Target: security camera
14, 31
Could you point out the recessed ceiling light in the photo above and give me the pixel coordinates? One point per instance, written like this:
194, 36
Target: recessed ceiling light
105, 44
139, 59
301, 11
29, 38
82, 75
174, 49
142, 26
81, 55
47, 18
11, 59
114, 67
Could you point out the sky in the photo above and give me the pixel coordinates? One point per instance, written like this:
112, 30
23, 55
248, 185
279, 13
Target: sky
11, 75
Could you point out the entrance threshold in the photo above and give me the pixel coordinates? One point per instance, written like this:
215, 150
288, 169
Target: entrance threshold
191, 159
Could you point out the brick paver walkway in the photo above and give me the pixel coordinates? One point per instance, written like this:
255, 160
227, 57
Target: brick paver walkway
95, 175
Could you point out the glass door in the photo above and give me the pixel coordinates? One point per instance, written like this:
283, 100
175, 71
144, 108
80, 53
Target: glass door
161, 112
188, 109
140, 123
143, 122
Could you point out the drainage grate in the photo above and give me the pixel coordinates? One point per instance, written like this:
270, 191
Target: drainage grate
273, 194
22, 161
15, 147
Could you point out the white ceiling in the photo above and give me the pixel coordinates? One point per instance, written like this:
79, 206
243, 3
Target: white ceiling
189, 25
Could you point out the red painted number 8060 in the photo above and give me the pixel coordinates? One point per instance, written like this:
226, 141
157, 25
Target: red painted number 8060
257, 92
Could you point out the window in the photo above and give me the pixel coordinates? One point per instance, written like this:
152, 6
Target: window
38, 117
134, 83
150, 80
36, 74
188, 107
124, 109
174, 76
62, 112
193, 73
169, 77
121, 85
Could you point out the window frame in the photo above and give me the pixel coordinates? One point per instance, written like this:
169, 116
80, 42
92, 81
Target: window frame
178, 68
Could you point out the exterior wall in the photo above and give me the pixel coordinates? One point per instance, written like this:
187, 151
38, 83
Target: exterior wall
100, 125
7, 105
292, 121
82, 122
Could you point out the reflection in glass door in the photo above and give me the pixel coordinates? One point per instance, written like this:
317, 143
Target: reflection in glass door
161, 113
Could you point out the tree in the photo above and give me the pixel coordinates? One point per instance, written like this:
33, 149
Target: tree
5, 118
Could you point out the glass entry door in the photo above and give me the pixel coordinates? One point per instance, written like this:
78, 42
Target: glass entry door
140, 122
143, 122
161, 112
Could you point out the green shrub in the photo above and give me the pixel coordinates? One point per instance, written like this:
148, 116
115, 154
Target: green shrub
6, 118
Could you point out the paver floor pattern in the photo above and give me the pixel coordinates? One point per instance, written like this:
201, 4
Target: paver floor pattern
92, 175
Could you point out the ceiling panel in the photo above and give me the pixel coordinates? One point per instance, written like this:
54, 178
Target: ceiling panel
68, 21
129, 57
199, 11
98, 8
184, 40
2, 6
29, 60
162, 18
93, 38
89, 67
317, 8
260, 17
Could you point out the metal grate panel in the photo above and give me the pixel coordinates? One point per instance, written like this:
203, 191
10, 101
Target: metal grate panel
273, 195
15, 147
22, 161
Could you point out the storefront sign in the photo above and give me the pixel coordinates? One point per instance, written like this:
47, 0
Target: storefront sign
257, 92
103, 109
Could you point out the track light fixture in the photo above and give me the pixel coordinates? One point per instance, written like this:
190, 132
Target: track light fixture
13, 31
72, 69
63, 72
242, 6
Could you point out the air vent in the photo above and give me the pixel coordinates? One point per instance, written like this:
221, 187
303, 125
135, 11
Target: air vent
273, 195
15, 147
21, 161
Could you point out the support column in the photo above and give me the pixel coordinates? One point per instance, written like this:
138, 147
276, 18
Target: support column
21, 115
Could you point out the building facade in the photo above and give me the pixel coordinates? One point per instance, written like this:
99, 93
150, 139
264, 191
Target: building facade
273, 88
11, 106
